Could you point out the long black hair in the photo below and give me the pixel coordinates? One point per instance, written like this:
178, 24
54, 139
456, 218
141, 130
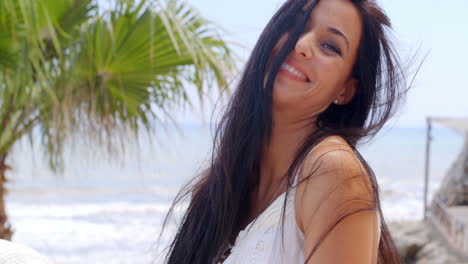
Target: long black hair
220, 194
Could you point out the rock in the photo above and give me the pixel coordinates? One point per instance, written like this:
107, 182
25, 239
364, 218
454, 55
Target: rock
417, 245
453, 189
435, 253
14, 253
410, 237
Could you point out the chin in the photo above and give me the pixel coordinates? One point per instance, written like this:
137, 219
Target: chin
283, 98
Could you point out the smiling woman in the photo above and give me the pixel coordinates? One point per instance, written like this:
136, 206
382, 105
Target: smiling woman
286, 183
322, 59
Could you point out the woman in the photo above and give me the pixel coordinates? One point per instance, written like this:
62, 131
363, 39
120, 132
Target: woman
286, 183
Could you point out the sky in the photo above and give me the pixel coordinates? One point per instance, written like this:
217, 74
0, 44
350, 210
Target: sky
434, 28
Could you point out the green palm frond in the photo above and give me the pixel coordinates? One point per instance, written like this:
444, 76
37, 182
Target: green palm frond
65, 66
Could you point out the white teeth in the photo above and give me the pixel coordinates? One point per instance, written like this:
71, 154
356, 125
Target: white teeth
292, 70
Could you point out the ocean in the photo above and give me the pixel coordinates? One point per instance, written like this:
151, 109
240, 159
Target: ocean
101, 210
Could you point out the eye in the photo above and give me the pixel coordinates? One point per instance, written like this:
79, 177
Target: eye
331, 46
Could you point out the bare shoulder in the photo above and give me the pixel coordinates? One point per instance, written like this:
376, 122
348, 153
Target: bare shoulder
332, 170
331, 155
333, 185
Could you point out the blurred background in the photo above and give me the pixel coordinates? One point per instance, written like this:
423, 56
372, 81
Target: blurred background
79, 201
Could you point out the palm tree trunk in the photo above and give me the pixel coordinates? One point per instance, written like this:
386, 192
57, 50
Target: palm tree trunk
5, 228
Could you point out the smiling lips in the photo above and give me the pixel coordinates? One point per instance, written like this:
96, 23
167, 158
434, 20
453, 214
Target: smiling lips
293, 71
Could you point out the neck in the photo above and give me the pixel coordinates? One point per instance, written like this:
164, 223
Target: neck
286, 138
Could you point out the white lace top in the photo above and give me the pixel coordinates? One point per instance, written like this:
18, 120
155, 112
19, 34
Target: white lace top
260, 241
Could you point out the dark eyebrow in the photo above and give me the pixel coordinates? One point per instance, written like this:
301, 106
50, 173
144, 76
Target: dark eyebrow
339, 33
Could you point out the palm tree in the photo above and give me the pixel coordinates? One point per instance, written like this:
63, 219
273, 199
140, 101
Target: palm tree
71, 67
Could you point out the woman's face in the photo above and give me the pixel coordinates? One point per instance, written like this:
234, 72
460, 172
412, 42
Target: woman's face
317, 71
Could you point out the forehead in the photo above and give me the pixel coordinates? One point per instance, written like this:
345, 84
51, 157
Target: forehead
340, 14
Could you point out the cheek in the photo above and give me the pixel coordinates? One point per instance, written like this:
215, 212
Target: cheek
332, 75
308, 99
304, 101
297, 97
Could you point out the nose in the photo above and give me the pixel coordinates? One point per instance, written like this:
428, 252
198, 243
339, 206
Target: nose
303, 47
